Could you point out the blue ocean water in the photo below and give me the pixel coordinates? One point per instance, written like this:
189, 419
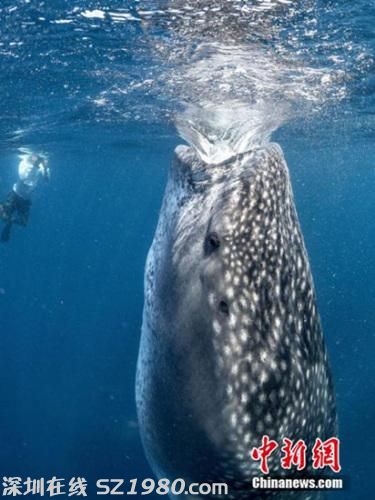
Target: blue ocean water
96, 86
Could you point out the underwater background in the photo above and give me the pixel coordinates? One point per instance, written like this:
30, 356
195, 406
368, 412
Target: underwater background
98, 86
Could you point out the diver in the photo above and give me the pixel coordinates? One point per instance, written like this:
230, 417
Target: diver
15, 209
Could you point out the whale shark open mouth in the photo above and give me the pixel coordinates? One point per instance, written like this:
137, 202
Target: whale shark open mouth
218, 133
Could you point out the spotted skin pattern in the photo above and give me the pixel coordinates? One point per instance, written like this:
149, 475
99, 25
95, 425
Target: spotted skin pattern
232, 346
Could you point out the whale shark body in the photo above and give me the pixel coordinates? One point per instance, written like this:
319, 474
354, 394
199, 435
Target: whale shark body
232, 347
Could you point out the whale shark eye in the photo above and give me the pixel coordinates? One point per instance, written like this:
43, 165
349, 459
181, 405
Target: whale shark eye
212, 242
223, 307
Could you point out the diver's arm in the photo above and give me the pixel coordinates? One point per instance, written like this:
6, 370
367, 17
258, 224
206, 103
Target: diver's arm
46, 172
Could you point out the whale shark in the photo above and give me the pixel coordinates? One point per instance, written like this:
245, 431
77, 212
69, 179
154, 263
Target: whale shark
232, 346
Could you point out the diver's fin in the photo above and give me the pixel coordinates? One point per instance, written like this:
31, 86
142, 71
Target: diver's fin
5, 234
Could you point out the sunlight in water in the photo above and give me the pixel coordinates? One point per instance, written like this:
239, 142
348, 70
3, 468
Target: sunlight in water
240, 71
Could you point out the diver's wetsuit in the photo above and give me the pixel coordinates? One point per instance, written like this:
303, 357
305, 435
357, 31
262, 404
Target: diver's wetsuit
15, 209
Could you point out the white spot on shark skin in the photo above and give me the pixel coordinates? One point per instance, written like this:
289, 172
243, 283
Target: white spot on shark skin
243, 336
244, 398
216, 326
211, 299
234, 369
253, 388
227, 351
247, 438
263, 356
283, 365
246, 419
243, 302
232, 321
268, 418
263, 377
233, 419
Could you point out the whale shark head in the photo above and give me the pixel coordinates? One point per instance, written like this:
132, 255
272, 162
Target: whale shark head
238, 219
242, 244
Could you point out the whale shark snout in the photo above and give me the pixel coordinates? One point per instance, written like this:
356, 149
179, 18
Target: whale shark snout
232, 346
